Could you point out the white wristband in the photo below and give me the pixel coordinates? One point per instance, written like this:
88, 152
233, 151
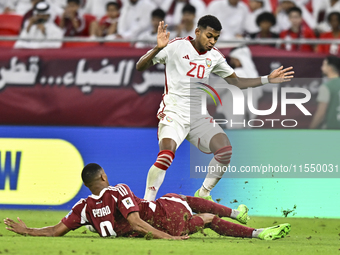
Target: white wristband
264, 79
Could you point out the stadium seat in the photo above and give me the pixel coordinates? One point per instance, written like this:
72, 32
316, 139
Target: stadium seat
117, 44
80, 44
7, 44
10, 24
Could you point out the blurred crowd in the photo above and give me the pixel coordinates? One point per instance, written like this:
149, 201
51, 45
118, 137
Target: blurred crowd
138, 19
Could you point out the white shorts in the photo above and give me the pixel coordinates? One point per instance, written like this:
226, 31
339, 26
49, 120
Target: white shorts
199, 132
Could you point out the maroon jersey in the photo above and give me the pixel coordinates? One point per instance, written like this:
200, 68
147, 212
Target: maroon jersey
108, 211
105, 22
69, 29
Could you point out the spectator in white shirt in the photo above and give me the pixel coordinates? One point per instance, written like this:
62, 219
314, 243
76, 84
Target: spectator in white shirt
40, 26
173, 10
96, 7
4, 6
19, 6
232, 15
157, 16
324, 8
134, 18
256, 8
187, 26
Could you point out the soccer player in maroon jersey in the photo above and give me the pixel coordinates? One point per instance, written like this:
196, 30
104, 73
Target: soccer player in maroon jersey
116, 211
186, 59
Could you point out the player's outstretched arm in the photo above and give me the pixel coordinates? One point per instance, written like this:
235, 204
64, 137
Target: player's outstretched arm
277, 76
162, 41
143, 227
20, 228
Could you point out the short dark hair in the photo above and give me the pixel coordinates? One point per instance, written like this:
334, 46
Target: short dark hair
334, 61
74, 1
294, 9
112, 4
158, 13
90, 172
266, 16
189, 8
210, 21
331, 14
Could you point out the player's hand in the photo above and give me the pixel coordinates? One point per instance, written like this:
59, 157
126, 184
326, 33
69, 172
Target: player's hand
17, 227
42, 28
181, 237
281, 75
162, 35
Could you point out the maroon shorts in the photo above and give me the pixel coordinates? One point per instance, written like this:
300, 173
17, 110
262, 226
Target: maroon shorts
174, 216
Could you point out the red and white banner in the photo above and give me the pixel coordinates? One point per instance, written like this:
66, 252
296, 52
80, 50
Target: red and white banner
100, 86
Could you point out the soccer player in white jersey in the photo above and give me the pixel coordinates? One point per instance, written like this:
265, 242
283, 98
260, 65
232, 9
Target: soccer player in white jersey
186, 59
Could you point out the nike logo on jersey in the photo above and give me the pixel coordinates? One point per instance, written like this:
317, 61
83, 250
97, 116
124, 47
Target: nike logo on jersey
186, 57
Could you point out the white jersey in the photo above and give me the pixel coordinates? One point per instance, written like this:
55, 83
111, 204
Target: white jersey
183, 65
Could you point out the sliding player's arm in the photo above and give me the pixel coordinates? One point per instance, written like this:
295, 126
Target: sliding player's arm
162, 41
20, 228
144, 228
277, 76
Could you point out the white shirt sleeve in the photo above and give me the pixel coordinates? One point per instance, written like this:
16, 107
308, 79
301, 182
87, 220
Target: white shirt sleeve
324, 94
162, 56
222, 69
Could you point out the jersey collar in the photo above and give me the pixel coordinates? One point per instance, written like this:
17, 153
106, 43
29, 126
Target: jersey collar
100, 194
189, 38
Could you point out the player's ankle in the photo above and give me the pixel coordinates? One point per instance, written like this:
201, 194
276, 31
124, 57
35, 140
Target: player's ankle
256, 232
203, 192
234, 213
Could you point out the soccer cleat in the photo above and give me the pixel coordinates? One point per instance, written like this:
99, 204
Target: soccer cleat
275, 232
206, 198
242, 217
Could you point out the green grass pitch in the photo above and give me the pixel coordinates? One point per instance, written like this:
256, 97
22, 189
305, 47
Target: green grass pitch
308, 236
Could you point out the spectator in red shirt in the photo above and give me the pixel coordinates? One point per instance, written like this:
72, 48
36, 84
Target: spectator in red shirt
334, 21
298, 30
72, 22
108, 23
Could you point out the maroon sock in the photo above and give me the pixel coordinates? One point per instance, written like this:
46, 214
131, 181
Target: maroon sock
227, 228
200, 205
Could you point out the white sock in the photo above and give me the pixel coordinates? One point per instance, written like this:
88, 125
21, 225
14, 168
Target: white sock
256, 232
153, 183
234, 213
212, 178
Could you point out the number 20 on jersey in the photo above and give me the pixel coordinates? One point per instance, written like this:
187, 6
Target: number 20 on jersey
196, 71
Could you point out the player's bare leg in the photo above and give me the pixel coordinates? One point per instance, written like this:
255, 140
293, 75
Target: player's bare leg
156, 175
221, 148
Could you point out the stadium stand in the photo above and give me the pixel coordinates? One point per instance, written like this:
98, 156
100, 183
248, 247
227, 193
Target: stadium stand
10, 23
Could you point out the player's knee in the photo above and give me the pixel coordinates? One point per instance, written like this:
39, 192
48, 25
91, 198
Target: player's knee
164, 159
168, 144
184, 197
206, 217
223, 155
